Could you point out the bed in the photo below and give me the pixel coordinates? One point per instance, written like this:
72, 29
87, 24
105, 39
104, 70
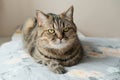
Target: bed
101, 61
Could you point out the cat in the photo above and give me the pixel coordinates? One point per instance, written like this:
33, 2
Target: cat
52, 40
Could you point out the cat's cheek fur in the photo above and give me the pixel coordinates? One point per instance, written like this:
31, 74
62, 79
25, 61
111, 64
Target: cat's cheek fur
68, 34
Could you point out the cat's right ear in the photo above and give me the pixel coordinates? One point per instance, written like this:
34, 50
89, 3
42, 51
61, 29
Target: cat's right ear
68, 14
41, 17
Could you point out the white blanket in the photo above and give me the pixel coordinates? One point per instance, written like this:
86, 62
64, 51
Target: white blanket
102, 62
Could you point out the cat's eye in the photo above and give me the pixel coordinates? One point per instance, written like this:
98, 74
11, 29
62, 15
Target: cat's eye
51, 31
66, 29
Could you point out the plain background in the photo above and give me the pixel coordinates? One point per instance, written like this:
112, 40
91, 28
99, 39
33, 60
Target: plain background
98, 18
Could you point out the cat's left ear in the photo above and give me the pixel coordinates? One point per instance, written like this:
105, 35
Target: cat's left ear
68, 14
41, 17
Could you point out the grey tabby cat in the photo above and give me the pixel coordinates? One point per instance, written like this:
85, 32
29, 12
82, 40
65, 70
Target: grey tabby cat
52, 40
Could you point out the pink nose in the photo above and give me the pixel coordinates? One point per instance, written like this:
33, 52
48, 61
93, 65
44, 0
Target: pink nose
60, 37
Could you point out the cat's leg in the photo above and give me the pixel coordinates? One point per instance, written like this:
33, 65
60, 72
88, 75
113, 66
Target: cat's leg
37, 57
52, 65
55, 66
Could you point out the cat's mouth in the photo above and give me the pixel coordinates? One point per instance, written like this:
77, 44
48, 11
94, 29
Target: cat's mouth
58, 44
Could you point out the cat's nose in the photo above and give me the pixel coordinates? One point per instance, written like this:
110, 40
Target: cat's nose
60, 36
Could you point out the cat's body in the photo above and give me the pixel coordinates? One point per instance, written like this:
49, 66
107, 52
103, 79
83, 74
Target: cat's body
52, 40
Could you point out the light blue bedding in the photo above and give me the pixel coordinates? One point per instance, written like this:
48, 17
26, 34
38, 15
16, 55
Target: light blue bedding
102, 62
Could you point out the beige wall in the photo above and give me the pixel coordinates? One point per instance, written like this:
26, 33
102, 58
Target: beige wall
99, 18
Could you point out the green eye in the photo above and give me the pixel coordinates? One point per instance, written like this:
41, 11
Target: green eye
66, 29
51, 31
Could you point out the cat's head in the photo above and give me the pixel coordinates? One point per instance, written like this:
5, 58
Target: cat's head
56, 31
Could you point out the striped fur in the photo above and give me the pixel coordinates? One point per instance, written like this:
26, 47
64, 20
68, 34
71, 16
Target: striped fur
58, 48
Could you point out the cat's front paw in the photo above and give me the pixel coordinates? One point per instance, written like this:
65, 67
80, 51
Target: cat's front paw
59, 70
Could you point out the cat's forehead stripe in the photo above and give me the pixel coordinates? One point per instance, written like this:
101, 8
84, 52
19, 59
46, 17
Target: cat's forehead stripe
57, 21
